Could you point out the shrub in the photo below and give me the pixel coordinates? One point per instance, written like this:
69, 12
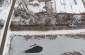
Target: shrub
83, 18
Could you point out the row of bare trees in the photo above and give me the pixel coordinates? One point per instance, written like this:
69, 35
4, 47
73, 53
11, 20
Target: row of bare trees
43, 18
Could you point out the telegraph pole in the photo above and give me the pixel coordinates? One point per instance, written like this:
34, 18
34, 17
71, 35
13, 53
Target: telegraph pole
6, 28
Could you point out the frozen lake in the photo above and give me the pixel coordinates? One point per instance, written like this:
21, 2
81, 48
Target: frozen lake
51, 46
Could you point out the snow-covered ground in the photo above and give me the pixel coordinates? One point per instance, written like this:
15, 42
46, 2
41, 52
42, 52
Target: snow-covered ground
51, 47
75, 31
57, 46
4, 11
36, 9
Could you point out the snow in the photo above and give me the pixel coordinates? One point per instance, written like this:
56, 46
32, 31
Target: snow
26, 32
4, 11
50, 47
60, 45
36, 9
68, 9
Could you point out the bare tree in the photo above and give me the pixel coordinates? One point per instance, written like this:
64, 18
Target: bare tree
6, 28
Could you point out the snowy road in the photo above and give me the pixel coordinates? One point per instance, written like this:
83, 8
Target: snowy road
75, 31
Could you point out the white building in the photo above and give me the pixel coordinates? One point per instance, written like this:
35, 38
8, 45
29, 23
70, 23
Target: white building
69, 6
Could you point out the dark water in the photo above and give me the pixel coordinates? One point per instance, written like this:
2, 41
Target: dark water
35, 49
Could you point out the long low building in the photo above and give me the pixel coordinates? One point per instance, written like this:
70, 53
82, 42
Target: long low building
68, 6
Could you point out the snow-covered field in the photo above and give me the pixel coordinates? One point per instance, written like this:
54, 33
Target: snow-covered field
4, 11
57, 46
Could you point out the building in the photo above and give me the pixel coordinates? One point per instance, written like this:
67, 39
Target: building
69, 6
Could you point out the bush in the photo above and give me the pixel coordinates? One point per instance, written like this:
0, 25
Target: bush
83, 18
47, 21
22, 13
59, 20
72, 53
